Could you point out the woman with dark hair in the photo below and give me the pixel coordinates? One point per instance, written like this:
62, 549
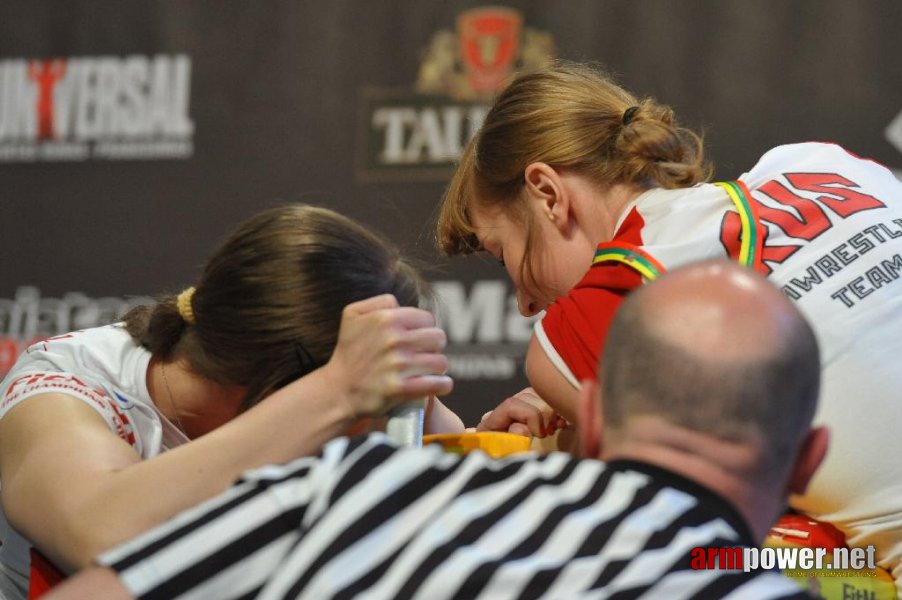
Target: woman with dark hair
302, 323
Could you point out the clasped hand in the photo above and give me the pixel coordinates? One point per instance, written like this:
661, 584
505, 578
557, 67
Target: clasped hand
524, 413
387, 354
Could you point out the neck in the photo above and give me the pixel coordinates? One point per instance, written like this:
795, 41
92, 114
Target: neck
725, 467
605, 208
193, 403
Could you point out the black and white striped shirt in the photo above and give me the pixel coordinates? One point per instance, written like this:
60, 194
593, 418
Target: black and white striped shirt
368, 520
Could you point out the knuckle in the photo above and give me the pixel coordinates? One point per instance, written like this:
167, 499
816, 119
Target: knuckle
385, 318
434, 335
392, 339
394, 385
397, 361
428, 319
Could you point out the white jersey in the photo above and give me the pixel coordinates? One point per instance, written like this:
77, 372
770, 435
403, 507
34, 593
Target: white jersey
832, 240
105, 369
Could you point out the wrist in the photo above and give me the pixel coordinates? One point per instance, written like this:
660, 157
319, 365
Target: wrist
338, 390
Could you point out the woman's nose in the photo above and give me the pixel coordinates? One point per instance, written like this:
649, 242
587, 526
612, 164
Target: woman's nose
527, 306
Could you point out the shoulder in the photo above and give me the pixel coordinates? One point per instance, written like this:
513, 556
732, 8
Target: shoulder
355, 459
811, 157
78, 348
572, 331
371, 479
95, 357
102, 367
658, 202
377, 464
670, 222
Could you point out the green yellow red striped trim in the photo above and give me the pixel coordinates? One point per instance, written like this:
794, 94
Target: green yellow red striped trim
647, 266
750, 241
630, 255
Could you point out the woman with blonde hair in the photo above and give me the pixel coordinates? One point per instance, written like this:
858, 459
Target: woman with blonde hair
583, 191
302, 322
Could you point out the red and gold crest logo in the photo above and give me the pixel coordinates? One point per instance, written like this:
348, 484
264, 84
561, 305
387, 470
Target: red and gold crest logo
419, 134
489, 46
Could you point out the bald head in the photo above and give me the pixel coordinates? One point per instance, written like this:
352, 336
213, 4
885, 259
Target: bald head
716, 348
717, 311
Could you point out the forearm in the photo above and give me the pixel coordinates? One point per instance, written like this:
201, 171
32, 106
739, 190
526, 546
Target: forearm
548, 382
76, 489
83, 514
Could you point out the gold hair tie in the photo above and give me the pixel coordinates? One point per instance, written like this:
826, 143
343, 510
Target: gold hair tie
184, 305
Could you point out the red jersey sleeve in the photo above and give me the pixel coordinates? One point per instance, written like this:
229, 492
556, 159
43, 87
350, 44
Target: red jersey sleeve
575, 326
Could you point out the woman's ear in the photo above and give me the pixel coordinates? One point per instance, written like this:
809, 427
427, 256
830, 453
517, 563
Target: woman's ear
545, 187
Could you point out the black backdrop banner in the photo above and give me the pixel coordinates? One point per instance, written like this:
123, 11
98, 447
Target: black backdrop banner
134, 135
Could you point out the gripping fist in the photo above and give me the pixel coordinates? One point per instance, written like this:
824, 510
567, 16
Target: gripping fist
523, 413
387, 354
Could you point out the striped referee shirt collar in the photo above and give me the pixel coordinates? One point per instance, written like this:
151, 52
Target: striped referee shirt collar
712, 499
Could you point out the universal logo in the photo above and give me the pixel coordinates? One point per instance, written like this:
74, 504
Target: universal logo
419, 133
100, 107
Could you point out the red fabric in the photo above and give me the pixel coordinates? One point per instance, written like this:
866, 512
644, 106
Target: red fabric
820, 533
43, 575
577, 324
